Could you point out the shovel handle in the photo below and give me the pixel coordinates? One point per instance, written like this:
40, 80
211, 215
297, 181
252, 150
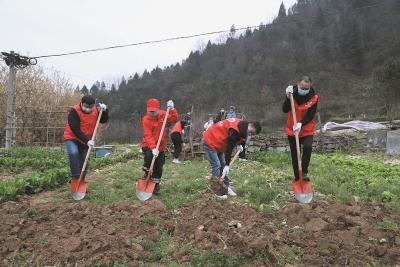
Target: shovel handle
159, 141
296, 135
232, 161
90, 147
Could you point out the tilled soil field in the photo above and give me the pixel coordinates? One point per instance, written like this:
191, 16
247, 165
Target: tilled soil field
83, 234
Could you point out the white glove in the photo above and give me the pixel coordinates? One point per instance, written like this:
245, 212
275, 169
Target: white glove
297, 127
170, 104
155, 152
289, 90
225, 171
103, 106
90, 143
239, 148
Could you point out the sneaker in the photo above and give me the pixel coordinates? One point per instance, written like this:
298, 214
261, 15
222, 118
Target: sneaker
231, 193
177, 161
240, 159
156, 190
306, 177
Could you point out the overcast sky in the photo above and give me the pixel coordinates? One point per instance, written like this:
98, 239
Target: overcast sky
43, 27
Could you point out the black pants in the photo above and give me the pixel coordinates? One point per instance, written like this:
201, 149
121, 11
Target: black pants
158, 164
242, 154
177, 141
306, 147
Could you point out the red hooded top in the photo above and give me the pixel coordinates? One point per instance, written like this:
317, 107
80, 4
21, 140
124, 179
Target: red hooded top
152, 125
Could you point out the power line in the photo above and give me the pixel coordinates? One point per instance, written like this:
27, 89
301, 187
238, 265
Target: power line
195, 35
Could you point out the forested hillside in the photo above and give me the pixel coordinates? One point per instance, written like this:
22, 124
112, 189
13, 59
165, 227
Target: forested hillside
339, 43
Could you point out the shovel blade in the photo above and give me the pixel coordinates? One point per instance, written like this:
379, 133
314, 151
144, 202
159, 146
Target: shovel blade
144, 189
78, 189
303, 191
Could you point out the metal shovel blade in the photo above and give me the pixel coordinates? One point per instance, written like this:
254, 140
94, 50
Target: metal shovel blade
303, 191
78, 196
78, 189
144, 189
143, 196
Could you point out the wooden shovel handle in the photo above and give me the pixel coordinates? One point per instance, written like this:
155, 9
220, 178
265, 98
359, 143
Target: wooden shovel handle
90, 147
296, 135
232, 161
159, 140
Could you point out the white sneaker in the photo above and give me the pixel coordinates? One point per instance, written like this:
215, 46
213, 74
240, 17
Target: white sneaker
177, 161
231, 193
242, 159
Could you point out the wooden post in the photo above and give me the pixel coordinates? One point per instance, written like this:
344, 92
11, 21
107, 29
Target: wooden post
10, 103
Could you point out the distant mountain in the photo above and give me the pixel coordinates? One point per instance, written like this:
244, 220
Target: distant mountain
339, 43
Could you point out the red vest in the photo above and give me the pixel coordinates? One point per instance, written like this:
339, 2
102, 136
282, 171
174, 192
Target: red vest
177, 128
87, 123
215, 136
301, 110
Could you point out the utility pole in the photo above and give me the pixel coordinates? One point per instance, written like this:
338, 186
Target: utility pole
10, 107
13, 61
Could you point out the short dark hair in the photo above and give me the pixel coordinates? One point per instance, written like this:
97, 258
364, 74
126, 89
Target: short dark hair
256, 126
305, 78
88, 99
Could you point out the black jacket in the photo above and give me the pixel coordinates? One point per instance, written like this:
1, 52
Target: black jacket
234, 139
301, 100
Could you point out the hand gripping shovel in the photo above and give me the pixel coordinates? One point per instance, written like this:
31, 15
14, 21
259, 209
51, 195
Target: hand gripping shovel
79, 186
145, 187
302, 189
217, 184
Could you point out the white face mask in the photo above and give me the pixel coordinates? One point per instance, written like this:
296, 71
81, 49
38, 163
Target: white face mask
85, 109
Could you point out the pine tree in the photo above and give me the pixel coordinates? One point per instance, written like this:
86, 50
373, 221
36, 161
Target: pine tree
84, 90
282, 11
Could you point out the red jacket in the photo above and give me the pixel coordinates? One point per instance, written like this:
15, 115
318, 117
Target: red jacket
87, 123
217, 134
152, 128
301, 110
177, 128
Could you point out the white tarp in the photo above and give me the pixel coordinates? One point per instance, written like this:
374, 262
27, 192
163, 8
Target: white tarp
356, 125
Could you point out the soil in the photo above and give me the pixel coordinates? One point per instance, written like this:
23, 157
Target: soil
217, 186
46, 233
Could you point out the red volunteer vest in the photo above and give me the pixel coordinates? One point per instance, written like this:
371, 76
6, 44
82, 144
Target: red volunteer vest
215, 136
87, 123
177, 128
301, 110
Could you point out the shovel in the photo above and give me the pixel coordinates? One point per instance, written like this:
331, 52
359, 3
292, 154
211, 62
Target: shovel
79, 186
145, 187
302, 188
217, 185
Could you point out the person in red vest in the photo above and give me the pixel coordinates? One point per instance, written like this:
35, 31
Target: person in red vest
305, 101
176, 137
220, 139
152, 124
79, 129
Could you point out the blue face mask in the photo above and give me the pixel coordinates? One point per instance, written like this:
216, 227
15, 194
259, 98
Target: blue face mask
302, 91
153, 113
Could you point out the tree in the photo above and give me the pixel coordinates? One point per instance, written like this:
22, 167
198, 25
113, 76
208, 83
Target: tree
232, 31
102, 86
94, 89
386, 81
282, 11
84, 90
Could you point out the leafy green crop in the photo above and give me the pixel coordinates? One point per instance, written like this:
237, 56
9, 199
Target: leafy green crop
48, 168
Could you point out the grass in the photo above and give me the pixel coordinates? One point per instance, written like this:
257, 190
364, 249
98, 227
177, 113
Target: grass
262, 184
339, 177
36, 169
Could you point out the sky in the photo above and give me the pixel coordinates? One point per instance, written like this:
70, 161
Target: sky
43, 27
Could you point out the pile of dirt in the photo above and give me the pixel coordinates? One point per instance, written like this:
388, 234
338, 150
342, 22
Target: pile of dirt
78, 233
341, 234
75, 233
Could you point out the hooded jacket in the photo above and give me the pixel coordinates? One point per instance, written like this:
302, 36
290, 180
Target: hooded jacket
152, 125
